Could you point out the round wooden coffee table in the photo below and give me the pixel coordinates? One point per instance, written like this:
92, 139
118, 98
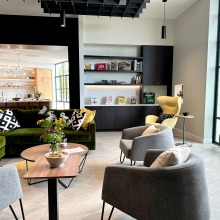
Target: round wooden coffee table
32, 153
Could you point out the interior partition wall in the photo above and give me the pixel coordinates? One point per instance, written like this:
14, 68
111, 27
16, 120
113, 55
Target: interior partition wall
216, 124
31, 30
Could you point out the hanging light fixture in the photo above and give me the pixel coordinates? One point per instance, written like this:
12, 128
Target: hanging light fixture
164, 28
62, 18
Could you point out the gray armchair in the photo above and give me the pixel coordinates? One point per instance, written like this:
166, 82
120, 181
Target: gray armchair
168, 193
10, 188
134, 146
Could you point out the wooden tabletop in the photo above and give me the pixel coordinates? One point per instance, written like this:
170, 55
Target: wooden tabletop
41, 168
32, 153
185, 116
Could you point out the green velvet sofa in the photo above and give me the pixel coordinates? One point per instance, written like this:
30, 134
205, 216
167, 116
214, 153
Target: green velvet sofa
17, 140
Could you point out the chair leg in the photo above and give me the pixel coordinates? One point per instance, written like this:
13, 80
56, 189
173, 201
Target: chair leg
133, 163
13, 212
111, 213
121, 160
103, 209
22, 210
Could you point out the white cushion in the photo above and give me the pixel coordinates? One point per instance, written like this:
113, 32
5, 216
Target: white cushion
150, 130
171, 157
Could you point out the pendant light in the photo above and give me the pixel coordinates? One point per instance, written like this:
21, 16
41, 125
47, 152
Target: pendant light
62, 18
164, 28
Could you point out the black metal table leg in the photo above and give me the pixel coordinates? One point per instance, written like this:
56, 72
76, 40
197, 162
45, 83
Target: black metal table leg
53, 200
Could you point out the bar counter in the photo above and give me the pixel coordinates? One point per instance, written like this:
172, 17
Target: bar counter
27, 105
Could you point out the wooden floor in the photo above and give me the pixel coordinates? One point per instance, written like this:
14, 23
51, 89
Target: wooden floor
82, 200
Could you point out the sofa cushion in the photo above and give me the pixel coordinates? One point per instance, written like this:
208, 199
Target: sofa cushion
8, 120
150, 130
90, 114
173, 156
28, 118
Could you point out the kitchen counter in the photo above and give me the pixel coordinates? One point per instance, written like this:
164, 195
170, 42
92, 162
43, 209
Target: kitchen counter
25, 104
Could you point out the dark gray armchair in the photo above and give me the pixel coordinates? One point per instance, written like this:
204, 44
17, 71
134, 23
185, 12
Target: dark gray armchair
170, 193
10, 188
134, 146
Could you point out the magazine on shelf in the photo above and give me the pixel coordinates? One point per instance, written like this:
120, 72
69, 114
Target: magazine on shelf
133, 100
94, 100
108, 100
121, 99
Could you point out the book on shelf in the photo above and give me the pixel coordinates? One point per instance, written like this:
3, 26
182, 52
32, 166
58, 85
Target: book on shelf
124, 65
114, 65
94, 100
133, 100
108, 100
149, 98
121, 99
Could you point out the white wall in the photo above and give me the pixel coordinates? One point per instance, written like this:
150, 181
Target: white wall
125, 31
192, 48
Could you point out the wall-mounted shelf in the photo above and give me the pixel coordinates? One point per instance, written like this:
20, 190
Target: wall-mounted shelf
17, 87
97, 84
18, 79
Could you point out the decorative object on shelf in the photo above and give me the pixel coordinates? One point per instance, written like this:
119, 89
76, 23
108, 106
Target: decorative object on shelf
137, 80
149, 97
164, 28
37, 95
108, 100
186, 113
56, 159
114, 65
124, 65
133, 100
53, 129
94, 100
121, 99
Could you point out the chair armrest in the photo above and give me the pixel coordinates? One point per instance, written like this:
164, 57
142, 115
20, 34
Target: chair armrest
131, 133
150, 119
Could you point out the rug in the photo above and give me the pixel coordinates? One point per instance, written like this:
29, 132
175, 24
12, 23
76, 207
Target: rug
22, 165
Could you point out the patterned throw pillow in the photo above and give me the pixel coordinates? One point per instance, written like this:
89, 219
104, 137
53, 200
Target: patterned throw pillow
8, 121
77, 119
162, 117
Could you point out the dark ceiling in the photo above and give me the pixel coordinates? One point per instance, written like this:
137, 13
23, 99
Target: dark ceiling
111, 8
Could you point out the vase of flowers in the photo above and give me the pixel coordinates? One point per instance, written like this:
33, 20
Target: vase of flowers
53, 131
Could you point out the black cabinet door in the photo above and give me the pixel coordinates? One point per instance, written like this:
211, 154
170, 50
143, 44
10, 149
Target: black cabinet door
138, 114
150, 65
108, 118
122, 117
157, 65
165, 64
97, 115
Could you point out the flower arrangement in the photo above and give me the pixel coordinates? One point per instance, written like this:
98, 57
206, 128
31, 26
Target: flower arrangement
53, 129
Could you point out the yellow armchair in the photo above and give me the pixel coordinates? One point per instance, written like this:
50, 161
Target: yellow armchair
169, 105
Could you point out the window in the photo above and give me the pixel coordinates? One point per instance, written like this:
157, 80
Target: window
62, 85
216, 124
